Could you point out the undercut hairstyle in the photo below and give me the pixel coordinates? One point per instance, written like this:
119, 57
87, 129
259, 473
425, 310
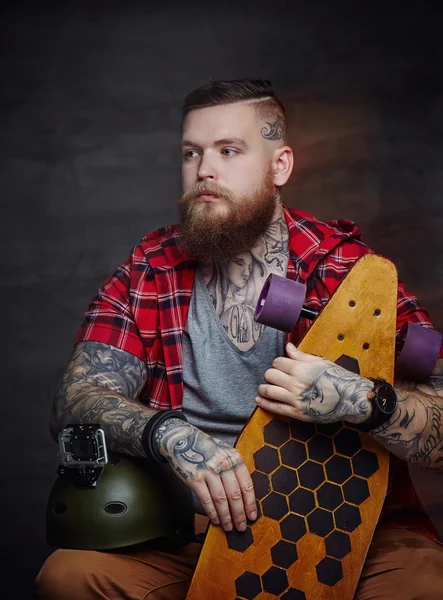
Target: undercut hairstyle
259, 92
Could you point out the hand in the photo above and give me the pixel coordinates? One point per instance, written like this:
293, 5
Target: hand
310, 388
214, 470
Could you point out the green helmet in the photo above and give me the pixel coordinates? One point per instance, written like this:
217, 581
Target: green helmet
130, 504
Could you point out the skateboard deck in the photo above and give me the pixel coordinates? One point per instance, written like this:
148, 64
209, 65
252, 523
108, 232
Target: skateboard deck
319, 488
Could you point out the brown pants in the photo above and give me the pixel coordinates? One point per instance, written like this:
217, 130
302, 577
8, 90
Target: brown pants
400, 564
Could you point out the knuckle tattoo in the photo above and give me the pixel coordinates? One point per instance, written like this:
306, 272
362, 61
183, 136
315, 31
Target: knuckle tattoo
225, 465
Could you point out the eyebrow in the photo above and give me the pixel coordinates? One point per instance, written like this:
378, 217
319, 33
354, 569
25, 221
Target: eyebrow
223, 142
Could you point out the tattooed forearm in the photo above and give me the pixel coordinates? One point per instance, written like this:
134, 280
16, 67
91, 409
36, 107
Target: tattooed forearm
275, 130
123, 419
415, 430
213, 470
191, 451
100, 385
313, 389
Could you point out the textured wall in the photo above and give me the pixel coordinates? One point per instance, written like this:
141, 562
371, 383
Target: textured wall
90, 109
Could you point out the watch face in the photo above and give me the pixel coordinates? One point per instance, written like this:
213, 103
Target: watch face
386, 398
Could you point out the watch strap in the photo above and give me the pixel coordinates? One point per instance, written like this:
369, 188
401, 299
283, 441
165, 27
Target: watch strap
378, 416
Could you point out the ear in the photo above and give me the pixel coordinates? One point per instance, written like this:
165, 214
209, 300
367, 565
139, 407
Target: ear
282, 165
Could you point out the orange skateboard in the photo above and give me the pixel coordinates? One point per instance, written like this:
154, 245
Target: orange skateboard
320, 488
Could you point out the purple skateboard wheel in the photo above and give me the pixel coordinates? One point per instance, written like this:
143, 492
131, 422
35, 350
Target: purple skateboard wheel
420, 350
280, 303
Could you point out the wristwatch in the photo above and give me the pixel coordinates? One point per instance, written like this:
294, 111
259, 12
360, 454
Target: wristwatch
384, 403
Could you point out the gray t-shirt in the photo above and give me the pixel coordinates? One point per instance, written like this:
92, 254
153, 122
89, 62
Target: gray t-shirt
221, 381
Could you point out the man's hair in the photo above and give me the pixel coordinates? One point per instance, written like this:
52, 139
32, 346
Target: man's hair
260, 92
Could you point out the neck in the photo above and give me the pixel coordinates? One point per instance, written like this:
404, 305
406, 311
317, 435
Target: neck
235, 285
272, 247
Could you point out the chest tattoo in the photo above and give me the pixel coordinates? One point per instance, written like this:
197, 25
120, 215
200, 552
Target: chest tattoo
234, 286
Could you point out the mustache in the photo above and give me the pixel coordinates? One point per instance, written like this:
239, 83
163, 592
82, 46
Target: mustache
208, 187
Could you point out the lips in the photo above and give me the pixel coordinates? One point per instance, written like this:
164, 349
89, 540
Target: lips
206, 196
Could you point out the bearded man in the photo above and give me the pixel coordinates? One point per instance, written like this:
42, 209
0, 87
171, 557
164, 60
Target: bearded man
172, 370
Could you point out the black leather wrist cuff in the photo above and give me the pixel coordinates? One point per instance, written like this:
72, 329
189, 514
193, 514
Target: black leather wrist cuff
148, 442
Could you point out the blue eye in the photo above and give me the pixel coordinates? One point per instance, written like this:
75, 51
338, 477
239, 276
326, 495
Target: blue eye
189, 154
231, 150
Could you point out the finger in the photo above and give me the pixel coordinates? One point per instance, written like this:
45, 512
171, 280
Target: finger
204, 495
283, 380
284, 364
278, 408
235, 499
220, 500
275, 392
296, 354
247, 487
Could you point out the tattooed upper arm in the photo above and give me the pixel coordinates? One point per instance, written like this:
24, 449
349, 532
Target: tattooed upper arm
107, 366
96, 366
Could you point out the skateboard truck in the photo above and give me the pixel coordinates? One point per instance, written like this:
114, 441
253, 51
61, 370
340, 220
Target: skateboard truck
281, 305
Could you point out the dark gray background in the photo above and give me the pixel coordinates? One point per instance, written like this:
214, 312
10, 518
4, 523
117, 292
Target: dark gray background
90, 112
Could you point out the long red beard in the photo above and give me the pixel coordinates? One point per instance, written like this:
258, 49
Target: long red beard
213, 232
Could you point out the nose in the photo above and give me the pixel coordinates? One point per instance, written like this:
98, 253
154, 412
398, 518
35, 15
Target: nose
206, 169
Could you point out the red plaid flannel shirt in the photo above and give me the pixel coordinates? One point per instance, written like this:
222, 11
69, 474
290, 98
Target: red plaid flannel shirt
142, 308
